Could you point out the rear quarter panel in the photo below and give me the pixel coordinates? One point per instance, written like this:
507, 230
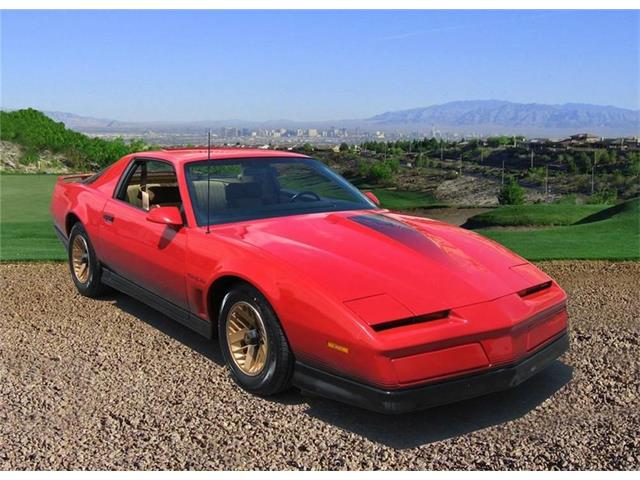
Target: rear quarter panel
85, 201
81, 200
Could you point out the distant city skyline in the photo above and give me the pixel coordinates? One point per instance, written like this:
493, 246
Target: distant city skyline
466, 118
312, 65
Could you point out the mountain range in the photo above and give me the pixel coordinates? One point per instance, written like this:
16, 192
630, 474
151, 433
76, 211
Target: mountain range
465, 117
509, 115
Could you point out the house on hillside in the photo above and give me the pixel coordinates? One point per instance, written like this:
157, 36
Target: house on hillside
621, 143
582, 138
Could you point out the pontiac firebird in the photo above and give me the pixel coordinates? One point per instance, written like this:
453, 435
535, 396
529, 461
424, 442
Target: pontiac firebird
306, 281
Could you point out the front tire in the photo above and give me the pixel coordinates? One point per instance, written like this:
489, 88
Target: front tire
83, 263
253, 343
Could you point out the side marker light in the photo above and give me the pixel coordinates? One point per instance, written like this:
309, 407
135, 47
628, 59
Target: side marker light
340, 348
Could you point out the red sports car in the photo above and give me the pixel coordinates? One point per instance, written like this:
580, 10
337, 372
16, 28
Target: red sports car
307, 281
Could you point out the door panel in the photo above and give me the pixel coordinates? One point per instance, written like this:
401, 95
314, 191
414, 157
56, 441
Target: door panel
149, 254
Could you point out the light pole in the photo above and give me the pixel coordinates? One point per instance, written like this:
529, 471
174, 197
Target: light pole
593, 171
546, 182
532, 158
502, 181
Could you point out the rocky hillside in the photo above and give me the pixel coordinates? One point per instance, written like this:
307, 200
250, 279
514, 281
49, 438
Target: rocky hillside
15, 159
44, 140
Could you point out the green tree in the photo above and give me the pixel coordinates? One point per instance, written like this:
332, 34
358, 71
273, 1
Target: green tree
422, 160
511, 193
573, 168
376, 171
634, 164
603, 157
307, 148
494, 142
583, 162
393, 164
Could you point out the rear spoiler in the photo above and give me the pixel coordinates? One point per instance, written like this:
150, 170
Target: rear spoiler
76, 176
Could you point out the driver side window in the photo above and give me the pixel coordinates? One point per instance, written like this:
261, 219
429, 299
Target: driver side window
151, 184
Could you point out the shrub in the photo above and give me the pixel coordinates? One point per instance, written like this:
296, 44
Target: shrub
511, 194
37, 132
604, 196
376, 171
393, 164
307, 148
29, 158
380, 171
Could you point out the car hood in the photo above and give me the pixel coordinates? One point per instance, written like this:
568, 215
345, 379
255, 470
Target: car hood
424, 264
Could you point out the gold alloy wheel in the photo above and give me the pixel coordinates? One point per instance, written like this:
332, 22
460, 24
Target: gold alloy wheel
80, 259
247, 338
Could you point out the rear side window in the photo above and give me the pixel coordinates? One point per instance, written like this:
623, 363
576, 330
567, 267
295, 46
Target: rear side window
151, 184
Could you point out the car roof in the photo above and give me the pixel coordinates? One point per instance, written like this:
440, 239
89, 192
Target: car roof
183, 155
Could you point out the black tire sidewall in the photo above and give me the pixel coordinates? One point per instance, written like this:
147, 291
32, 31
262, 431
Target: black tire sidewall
275, 377
93, 286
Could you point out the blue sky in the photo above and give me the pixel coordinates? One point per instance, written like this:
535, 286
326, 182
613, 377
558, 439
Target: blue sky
196, 65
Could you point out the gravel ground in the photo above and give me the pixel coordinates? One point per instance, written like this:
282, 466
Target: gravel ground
112, 384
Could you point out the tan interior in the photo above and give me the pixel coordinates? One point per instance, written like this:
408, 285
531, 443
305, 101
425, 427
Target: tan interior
159, 195
217, 194
243, 192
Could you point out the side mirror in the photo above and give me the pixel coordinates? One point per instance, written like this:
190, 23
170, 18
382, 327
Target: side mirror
372, 197
166, 216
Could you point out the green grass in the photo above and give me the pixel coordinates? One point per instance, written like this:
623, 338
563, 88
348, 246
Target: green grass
394, 199
403, 199
610, 234
533, 215
26, 227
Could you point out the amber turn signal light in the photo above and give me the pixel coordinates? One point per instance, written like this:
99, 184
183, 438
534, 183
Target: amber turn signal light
340, 348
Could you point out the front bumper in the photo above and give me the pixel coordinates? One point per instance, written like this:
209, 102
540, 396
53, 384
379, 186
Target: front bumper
328, 385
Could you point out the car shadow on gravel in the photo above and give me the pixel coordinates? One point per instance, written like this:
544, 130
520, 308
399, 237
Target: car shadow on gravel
396, 431
207, 348
440, 423
166, 325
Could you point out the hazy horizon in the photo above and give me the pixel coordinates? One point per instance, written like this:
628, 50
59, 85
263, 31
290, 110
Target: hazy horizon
275, 120
189, 66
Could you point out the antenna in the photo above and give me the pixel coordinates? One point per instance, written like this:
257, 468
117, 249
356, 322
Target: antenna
208, 181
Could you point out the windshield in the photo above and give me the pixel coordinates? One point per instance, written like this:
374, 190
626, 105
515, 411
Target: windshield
246, 189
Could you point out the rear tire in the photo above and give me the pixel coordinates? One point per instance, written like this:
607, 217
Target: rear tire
253, 343
83, 263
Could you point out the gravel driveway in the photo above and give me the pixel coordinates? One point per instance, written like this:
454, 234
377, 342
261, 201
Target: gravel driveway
112, 384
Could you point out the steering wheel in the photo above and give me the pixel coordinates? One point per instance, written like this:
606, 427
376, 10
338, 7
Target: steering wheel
298, 195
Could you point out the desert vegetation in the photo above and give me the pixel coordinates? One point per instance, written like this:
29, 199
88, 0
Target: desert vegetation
36, 133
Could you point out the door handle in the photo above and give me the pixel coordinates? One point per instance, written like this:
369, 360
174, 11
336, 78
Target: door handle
108, 218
